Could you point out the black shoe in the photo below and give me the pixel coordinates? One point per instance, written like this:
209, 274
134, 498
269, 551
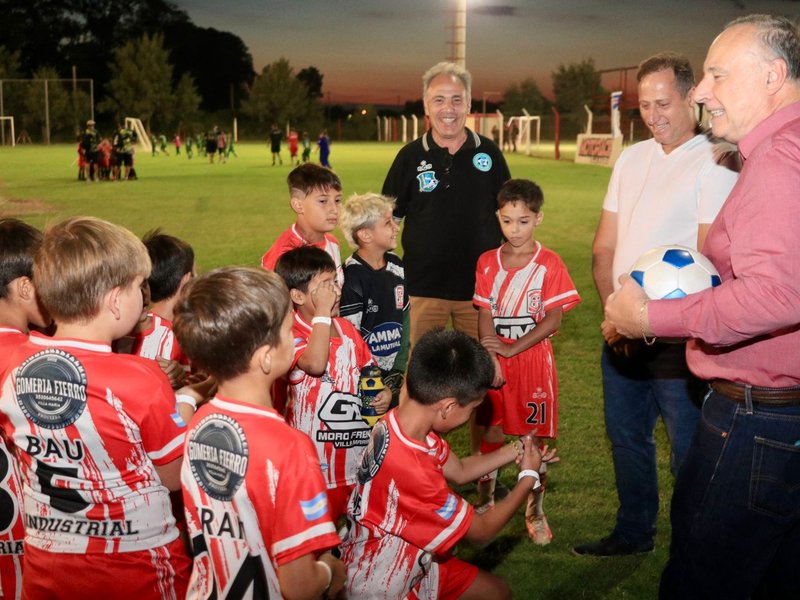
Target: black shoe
613, 545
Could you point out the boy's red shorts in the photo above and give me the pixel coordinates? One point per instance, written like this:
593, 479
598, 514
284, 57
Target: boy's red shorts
161, 573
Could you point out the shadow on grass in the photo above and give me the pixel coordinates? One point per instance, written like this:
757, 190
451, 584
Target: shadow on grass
599, 577
490, 557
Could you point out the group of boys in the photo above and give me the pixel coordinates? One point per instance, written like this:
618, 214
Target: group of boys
104, 159
96, 439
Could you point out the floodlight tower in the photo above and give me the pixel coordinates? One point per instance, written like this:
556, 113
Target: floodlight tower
459, 41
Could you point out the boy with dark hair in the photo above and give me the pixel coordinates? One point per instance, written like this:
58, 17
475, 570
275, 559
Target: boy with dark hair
315, 195
97, 435
403, 517
329, 354
522, 290
19, 308
172, 262
259, 520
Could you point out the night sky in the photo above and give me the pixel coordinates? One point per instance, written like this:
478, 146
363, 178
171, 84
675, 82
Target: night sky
377, 50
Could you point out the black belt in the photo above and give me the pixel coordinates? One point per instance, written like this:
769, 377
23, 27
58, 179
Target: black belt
761, 395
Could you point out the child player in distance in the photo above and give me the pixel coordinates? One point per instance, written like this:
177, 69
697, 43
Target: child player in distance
256, 501
403, 517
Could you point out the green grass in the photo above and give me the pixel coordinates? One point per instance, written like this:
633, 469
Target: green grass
231, 213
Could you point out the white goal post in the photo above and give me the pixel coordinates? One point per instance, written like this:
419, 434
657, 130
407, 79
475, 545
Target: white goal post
524, 137
143, 139
13, 137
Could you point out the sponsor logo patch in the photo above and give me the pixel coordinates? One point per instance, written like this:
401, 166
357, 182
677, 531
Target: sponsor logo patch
51, 388
482, 162
373, 456
218, 453
427, 181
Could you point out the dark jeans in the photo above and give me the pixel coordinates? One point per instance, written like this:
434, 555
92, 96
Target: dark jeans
632, 407
736, 507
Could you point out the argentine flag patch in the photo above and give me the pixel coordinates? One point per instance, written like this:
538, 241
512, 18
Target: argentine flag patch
316, 507
446, 511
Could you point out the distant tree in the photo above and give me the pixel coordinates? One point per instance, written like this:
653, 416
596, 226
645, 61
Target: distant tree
187, 100
279, 97
9, 63
80, 33
142, 84
219, 62
313, 80
57, 110
525, 94
574, 85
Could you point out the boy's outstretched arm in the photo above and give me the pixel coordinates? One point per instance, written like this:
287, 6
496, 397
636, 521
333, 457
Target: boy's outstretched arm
484, 527
459, 471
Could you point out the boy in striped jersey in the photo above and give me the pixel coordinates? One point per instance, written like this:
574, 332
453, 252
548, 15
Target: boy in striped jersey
255, 499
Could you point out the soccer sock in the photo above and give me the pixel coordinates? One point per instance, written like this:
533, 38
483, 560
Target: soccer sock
536, 499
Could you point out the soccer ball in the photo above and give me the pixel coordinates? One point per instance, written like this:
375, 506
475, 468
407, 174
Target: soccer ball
674, 272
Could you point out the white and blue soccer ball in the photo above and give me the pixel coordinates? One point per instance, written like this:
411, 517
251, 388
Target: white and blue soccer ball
674, 272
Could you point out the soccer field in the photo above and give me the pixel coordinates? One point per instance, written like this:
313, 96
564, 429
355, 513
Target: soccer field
232, 212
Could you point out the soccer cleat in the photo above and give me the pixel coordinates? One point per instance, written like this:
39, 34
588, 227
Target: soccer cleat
538, 529
613, 545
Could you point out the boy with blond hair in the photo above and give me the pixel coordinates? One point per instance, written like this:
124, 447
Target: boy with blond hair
374, 297
259, 520
315, 195
97, 434
19, 309
329, 354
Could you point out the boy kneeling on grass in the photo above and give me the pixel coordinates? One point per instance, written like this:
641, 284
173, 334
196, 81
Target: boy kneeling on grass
403, 517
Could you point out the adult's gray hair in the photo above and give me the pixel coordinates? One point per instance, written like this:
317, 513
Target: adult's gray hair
779, 37
447, 68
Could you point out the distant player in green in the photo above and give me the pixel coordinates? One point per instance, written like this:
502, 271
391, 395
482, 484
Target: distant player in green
189, 145
162, 143
306, 147
275, 137
230, 148
153, 144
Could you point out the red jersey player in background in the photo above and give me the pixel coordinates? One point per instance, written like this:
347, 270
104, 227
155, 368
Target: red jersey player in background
315, 196
19, 308
522, 289
97, 434
329, 354
293, 138
255, 498
403, 517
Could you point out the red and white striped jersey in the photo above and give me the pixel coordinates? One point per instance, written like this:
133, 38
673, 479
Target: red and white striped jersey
255, 500
402, 514
12, 525
90, 426
520, 298
159, 341
291, 239
328, 408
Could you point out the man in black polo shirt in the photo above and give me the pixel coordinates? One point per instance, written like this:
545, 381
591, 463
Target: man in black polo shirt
446, 185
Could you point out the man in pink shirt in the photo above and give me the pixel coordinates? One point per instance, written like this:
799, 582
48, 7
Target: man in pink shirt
735, 515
